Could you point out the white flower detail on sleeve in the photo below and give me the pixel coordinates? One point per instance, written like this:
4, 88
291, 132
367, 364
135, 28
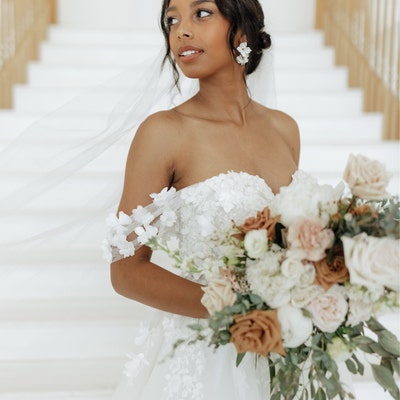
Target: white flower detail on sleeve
168, 218
116, 237
142, 216
164, 197
145, 233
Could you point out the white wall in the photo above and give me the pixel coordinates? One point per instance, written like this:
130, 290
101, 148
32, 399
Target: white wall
281, 15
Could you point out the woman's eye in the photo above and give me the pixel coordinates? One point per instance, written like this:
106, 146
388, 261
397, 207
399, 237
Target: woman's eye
171, 21
203, 13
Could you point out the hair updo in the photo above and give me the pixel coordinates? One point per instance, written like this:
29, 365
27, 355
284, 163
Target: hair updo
246, 17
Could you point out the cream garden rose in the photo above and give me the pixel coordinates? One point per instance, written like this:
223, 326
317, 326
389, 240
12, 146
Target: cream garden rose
373, 262
256, 243
366, 178
217, 295
329, 309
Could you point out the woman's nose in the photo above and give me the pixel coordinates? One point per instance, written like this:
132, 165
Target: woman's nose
184, 34
185, 31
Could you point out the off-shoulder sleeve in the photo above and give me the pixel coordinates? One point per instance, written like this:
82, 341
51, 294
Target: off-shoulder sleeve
127, 233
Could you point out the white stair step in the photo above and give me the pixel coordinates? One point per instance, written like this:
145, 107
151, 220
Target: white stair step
51, 76
334, 157
63, 127
98, 101
318, 80
365, 128
63, 35
42, 280
61, 276
70, 395
112, 308
60, 375
66, 340
349, 103
120, 55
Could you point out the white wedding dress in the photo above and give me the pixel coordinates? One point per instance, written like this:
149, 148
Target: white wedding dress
197, 371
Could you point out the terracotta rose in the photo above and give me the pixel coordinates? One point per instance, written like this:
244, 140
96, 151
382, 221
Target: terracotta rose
328, 274
262, 220
259, 332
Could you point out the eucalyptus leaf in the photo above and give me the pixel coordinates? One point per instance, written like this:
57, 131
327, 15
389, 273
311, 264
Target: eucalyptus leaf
360, 365
351, 366
375, 326
385, 378
366, 348
389, 342
378, 349
362, 340
196, 327
395, 366
255, 299
320, 395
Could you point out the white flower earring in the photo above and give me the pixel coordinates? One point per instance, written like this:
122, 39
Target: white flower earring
244, 51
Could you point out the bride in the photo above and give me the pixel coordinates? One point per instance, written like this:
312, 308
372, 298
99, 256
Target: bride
224, 156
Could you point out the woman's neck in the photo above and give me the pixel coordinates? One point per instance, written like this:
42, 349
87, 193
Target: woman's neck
226, 99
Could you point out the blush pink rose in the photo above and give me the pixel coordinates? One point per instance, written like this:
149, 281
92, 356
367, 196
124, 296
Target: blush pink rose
309, 238
329, 309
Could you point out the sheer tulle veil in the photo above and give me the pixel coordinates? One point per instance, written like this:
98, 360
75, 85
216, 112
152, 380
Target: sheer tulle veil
61, 177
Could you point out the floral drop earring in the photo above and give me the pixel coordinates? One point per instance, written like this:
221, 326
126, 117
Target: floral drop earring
244, 51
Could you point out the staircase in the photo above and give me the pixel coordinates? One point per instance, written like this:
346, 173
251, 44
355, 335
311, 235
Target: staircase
64, 333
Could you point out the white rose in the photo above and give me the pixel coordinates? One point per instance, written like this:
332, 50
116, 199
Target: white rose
295, 326
329, 309
217, 295
292, 268
256, 243
366, 178
373, 261
338, 350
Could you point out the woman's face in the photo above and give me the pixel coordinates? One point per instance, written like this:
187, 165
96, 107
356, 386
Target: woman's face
198, 37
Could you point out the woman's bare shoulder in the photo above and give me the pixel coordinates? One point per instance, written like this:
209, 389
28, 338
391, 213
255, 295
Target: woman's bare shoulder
286, 126
161, 121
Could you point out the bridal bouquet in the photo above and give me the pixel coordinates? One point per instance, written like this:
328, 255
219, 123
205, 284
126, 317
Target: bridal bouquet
304, 280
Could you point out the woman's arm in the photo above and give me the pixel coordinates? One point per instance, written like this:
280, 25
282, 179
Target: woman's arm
150, 168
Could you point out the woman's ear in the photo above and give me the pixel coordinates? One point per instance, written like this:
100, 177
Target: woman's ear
240, 38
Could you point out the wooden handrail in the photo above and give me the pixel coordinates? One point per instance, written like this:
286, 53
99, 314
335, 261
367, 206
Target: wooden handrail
365, 35
23, 25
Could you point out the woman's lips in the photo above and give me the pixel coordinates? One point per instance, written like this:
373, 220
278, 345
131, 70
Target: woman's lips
189, 53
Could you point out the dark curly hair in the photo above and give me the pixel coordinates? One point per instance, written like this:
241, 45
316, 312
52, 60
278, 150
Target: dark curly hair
245, 16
